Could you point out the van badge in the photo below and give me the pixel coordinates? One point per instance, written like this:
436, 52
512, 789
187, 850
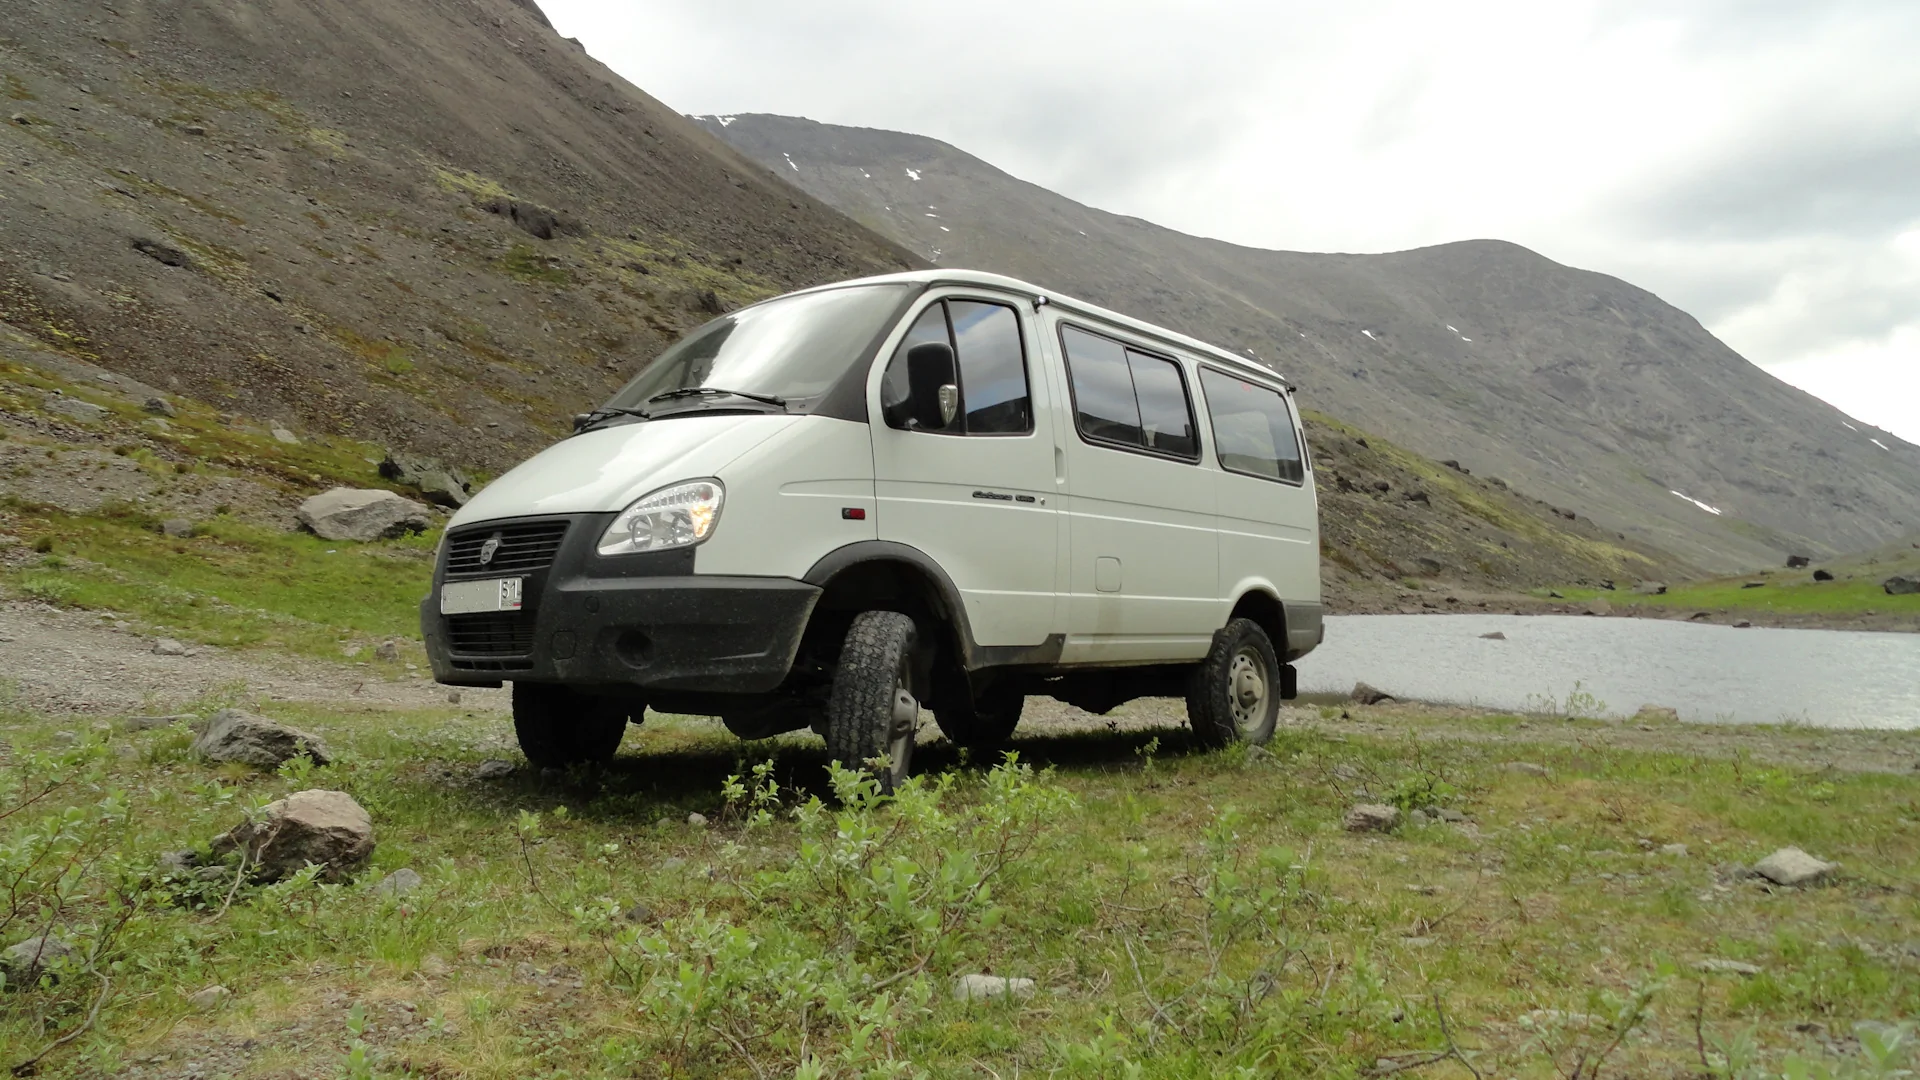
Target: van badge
489, 549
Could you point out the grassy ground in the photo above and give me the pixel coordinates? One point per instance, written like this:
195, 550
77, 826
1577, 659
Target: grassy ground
1783, 594
1183, 914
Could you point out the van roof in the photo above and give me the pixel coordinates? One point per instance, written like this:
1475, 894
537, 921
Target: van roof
954, 276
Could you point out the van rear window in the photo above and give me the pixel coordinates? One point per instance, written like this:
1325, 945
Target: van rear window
1253, 430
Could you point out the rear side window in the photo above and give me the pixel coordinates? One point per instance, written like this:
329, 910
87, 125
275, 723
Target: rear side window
992, 361
1128, 398
1253, 429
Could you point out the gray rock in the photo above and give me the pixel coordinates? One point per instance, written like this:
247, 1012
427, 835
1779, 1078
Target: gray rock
1372, 817
1676, 851
1525, 768
1495, 636
166, 646
148, 723
325, 828
453, 697
282, 435
74, 409
1743, 624
1796, 562
441, 484
1901, 586
1649, 714
388, 650
25, 962
399, 883
1823, 575
638, 913
1450, 815
493, 769
987, 987
1727, 967
1650, 588
1368, 695
178, 528
697, 820
1419, 817
160, 407
1791, 866
362, 515
209, 999
1600, 607
232, 735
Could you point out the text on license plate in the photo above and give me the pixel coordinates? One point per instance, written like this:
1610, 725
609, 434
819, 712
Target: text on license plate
494, 594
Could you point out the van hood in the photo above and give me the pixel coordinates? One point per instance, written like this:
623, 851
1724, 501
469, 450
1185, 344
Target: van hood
607, 469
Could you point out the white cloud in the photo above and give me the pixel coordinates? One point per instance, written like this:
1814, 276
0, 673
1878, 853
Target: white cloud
1750, 162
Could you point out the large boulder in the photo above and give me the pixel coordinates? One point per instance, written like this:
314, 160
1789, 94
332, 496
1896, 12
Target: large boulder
1363, 694
1901, 586
1372, 817
325, 828
232, 735
362, 515
1791, 866
441, 484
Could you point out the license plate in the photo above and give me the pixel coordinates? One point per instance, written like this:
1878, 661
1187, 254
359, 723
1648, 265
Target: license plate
467, 597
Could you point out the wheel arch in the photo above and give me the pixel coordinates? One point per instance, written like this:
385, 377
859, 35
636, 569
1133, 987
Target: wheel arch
1262, 605
883, 574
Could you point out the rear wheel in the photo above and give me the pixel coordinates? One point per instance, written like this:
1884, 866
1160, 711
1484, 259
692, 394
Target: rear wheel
872, 714
1234, 695
984, 721
559, 726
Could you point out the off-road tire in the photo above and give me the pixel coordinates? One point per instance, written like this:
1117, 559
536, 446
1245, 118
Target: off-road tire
866, 711
1234, 695
559, 726
984, 721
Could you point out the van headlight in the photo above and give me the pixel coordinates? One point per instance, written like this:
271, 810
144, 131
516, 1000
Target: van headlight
677, 516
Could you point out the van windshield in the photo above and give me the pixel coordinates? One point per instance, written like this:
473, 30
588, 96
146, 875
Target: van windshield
794, 349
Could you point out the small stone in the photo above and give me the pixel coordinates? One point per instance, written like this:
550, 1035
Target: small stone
1372, 817
326, 828
1823, 575
1600, 607
1727, 967
987, 987
281, 434
1450, 815
493, 769
74, 409
1420, 942
1424, 890
168, 647
178, 528
1364, 694
638, 913
388, 650
697, 820
159, 407
453, 697
1661, 714
233, 735
434, 967
193, 129
1791, 866
24, 963
1525, 768
1495, 636
399, 883
209, 999
1418, 817
1743, 624
1675, 851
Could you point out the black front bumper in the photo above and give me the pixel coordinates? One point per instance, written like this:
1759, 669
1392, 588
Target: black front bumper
643, 621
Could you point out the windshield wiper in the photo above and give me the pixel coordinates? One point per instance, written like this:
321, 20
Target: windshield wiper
705, 391
607, 412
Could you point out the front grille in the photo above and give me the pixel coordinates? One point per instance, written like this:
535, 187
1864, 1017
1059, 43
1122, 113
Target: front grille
507, 633
522, 549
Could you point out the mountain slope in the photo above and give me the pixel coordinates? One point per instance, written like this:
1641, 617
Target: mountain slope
434, 222
1574, 385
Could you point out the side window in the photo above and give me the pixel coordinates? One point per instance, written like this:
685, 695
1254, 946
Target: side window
1128, 398
1166, 420
992, 362
993, 368
930, 326
1252, 428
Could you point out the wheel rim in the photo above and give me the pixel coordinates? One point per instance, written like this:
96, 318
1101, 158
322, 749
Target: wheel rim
1247, 691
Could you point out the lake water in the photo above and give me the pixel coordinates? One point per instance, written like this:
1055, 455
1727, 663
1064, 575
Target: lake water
1611, 667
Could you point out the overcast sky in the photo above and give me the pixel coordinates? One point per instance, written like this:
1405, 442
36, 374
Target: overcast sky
1756, 162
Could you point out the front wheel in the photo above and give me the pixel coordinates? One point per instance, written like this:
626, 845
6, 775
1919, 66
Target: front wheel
872, 714
1234, 695
559, 726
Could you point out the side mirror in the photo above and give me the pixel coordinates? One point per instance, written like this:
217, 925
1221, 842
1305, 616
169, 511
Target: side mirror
933, 393
580, 421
